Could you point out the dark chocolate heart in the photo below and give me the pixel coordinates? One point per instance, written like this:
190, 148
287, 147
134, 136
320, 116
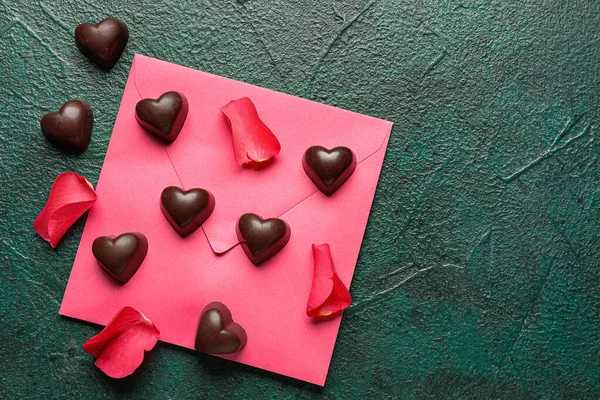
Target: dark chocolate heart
217, 333
121, 256
104, 42
71, 127
329, 169
186, 210
163, 117
262, 239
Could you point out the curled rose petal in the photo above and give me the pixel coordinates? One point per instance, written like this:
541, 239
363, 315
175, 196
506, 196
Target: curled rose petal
253, 142
119, 348
71, 196
328, 295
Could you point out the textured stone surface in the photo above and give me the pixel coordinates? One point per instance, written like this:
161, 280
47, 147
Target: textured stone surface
479, 274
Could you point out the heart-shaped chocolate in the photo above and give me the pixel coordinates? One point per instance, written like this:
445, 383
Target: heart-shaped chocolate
262, 239
71, 127
186, 210
121, 256
217, 333
163, 117
329, 169
104, 42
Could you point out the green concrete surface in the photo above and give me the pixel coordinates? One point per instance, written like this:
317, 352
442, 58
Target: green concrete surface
479, 276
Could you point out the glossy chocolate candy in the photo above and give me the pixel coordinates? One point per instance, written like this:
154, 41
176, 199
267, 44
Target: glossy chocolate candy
217, 333
262, 239
187, 210
121, 256
104, 42
70, 128
329, 169
163, 117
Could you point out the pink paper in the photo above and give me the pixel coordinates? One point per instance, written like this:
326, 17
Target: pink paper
181, 275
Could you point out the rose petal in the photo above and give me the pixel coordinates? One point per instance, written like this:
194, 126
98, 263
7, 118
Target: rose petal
119, 348
253, 141
328, 294
71, 196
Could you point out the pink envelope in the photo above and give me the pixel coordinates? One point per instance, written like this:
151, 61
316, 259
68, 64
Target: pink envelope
181, 275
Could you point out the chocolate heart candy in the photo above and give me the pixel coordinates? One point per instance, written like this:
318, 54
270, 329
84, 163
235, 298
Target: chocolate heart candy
121, 256
163, 117
186, 210
71, 127
104, 42
217, 333
329, 169
262, 239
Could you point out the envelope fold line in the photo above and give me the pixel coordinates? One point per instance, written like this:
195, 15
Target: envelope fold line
176, 173
134, 70
213, 249
295, 204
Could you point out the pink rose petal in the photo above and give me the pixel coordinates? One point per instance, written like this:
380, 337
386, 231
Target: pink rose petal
71, 196
119, 348
328, 295
253, 142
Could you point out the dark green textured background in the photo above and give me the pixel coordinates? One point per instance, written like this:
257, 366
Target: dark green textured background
479, 275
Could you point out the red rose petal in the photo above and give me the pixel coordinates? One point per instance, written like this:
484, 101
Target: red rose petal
328, 295
71, 196
253, 142
119, 348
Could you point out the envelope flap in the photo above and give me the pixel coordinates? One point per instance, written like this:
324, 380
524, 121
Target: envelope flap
203, 156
